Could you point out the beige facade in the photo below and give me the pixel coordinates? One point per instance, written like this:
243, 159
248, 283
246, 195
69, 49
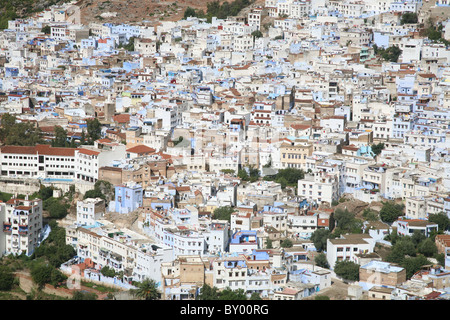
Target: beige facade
382, 273
379, 293
294, 156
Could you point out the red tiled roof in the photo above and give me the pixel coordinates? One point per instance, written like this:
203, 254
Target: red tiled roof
323, 222
18, 149
55, 151
122, 118
300, 126
141, 149
89, 152
41, 149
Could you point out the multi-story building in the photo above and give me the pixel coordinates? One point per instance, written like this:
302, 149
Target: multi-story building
320, 187
123, 250
40, 161
294, 155
128, 197
47, 162
22, 226
89, 210
183, 277
304, 225
244, 241
406, 227
380, 273
346, 247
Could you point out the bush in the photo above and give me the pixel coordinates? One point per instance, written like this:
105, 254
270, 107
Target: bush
223, 213
347, 270
408, 18
391, 211
84, 295
286, 243
319, 238
321, 261
287, 177
108, 272
6, 278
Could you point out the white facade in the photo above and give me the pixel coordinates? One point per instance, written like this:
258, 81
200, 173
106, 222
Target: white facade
346, 247
21, 226
89, 210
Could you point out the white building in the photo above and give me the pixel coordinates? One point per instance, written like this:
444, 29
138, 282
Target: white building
320, 187
89, 210
347, 246
22, 226
123, 250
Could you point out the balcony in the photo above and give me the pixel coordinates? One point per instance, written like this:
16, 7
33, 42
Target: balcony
7, 227
23, 230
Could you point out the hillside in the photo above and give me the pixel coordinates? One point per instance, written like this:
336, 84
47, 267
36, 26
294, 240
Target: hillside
112, 11
115, 11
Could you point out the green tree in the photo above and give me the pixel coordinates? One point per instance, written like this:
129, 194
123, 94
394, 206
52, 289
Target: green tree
391, 53
391, 211
440, 257
46, 29
346, 222
228, 171
441, 219
41, 274
427, 248
269, 244
417, 238
128, 46
23, 134
108, 272
319, 238
146, 290
212, 293
6, 278
377, 148
82, 295
55, 208
392, 237
287, 177
94, 193
255, 296
54, 249
370, 215
403, 247
414, 264
347, 270
229, 294
5, 196
190, 12
408, 18
60, 139
208, 293
321, 260
257, 34
433, 34
44, 193
223, 213
243, 175
286, 243
7, 122
252, 175
94, 130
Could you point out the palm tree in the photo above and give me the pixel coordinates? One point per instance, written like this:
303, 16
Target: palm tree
146, 290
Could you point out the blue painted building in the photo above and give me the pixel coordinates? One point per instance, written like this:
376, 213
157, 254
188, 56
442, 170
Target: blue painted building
128, 197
